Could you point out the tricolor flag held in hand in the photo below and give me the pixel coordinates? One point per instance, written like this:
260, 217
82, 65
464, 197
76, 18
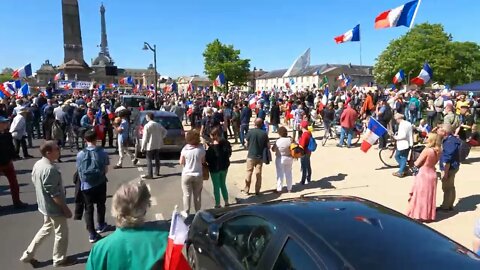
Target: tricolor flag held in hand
399, 77
425, 75
23, 72
58, 76
350, 35
174, 258
220, 80
375, 131
403, 15
126, 80
252, 103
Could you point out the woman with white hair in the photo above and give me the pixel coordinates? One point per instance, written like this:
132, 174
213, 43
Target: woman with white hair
133, 245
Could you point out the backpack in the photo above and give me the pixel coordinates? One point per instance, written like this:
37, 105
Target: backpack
412, 106
296, 150
57, 132
312, 144
387, 114
90, 169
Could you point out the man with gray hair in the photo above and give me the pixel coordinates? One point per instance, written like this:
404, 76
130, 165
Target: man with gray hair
449, 165
404, 138
51, 203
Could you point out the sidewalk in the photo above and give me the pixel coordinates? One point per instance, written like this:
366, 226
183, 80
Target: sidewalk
343, 171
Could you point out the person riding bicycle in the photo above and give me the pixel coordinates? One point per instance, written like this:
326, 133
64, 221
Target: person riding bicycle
404, 140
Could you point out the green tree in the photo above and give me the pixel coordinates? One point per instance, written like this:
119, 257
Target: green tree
6, 74
428, 43
224, 58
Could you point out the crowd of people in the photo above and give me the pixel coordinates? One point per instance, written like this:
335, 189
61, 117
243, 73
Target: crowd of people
218, 120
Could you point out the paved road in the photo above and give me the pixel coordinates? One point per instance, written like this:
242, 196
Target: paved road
19, 227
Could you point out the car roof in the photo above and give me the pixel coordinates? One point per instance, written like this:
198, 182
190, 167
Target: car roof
158, 113
134, 96
364, 234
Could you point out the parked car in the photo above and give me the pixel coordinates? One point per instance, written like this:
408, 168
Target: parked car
173, 142
319, 232
132, 102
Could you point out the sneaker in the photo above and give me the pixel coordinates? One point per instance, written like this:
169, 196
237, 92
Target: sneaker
102, 228
184, 214
65, 263
117, 167
144, 176
93, 238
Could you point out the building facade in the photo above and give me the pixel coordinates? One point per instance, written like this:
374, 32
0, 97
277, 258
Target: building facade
312, 77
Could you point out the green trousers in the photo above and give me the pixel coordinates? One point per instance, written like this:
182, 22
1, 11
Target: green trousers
218, 181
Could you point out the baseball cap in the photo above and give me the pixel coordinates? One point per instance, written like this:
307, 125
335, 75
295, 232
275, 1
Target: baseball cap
304, 124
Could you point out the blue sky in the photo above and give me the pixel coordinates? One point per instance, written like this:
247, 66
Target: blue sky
272, 33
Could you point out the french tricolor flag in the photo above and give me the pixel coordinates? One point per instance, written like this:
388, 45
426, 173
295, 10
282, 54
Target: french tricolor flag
350, 35
126, 80
252, 103
58, 76
425, 75
174, 258
220, 80
375, 131
69, 86
403, 15
399, 77
23, 72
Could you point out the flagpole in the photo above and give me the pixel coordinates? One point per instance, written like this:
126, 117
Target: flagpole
360, 41
415, 14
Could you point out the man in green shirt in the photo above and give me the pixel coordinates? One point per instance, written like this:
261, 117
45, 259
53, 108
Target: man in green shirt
133, 245
257, 142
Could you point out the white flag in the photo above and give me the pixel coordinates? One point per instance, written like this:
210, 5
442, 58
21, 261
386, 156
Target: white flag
302, 62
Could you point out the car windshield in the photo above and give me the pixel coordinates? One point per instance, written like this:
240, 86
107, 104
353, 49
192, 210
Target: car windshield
133, 102
168, 122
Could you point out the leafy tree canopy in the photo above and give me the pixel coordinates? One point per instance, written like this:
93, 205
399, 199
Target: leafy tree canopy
6, 74
452, 62
224, 58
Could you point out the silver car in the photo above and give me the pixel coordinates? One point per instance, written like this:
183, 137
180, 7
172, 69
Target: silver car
173, 142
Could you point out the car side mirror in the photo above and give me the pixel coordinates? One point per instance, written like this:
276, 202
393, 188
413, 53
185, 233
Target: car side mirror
214, 233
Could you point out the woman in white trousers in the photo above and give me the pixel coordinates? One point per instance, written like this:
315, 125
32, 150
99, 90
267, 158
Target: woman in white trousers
283, 159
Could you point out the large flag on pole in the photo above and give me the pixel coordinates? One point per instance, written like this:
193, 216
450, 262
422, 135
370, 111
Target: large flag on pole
23, 72
375, 131
425, 75
403, 15
300, 64
24, 90
174, 258
351, 35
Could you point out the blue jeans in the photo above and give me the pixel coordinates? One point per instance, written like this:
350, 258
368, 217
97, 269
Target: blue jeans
349, 133
401, 157
412, 117
243, 132
306, 168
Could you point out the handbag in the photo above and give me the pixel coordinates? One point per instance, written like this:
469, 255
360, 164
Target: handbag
266, 155
205, 172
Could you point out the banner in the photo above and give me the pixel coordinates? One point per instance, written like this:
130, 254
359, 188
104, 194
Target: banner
78, 84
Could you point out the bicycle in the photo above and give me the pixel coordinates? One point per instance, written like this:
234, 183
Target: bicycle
336, 129
387, 156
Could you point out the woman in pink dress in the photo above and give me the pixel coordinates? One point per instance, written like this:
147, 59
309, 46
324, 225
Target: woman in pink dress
422, 205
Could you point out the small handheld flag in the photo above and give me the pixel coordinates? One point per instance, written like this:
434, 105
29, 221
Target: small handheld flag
126, 80
220, 80
24, 90
426, 74
23, 72
399, 77
58, 76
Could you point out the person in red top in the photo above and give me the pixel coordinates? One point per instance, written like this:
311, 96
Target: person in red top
347, 122
305, 159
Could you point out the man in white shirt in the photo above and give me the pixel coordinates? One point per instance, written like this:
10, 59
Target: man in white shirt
152, 142
404, 138
18, 129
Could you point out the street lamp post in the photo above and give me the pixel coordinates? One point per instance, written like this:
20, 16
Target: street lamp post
254, 82
147, 47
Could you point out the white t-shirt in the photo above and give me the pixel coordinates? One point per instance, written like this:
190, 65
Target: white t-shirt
283, 147
193, 159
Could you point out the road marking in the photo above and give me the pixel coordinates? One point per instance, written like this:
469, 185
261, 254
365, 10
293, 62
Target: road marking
153, 201
140, 169
159, 216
